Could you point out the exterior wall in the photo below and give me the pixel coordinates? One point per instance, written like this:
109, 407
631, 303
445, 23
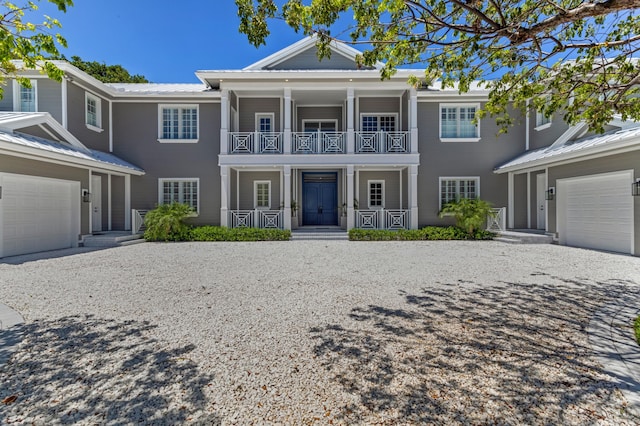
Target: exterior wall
320, 113
50, 97
613, 163
380, 105
35, 131
6, 102
308, 60
519, 201
246, 189
534, 198
462, 159
250, 106
136, 141
545, 137
10, 164
77, 120
117, 203
391, 189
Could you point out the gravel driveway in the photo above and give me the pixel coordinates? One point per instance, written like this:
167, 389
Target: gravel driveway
312, 332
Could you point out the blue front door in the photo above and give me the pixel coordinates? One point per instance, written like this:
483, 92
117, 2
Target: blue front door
320, 199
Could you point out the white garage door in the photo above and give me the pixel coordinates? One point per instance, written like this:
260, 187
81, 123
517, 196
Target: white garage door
597, 212
38, 214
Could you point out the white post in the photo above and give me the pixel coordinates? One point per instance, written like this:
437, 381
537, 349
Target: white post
127, 202
413, 196
225, 191
287, 197
64, 102
287, 122
413, 121
109, 225
510, 213
110, 126
224, 121
350, 197
351, 137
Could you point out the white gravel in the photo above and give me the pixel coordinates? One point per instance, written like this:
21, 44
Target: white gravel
312, 332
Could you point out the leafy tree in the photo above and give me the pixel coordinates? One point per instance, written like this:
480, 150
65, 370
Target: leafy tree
166, 222
529, 53
31, 43
107, 73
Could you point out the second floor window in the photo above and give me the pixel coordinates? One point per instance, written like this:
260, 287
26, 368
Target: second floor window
264, 123
542, 120
26, 97
375, 123
179, 123
456, 122
93, 115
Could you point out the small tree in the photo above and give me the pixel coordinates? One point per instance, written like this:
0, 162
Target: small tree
166, 222
470, 214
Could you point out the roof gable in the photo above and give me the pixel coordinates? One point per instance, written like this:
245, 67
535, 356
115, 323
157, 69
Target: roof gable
302, 56
13, 121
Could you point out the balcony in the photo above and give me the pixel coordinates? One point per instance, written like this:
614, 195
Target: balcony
330, 143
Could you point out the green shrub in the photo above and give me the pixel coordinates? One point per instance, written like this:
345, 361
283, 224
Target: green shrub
636, 329
470, 215
166, 223
220, 233
426, 233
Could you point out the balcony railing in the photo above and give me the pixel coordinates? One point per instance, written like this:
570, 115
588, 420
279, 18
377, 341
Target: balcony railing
382, 219
255, 143
256, 219
319, 143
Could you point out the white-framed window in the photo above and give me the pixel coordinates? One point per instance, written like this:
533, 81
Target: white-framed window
542, 122
378, 122
456, 123
178, 123
262, 194
457, 188
264, 122
93, 112
25, 99
375, 194
329, 126
180, 190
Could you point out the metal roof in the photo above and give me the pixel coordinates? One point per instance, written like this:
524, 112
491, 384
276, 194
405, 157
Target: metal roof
159, 88
574, 148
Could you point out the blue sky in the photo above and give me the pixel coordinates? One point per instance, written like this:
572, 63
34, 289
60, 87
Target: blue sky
163, 40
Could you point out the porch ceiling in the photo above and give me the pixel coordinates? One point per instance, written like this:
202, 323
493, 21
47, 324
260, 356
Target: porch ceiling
318, 95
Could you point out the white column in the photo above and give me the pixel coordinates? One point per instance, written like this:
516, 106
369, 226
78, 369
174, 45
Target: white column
510, 205
287, 197
287, 123
109, 225
413, 121
225, 192
351, 137
350, 197
413, 196
127, 202
224, 120
110, 126
64, 102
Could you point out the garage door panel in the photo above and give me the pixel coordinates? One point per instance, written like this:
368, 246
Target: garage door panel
598, 212
38, 214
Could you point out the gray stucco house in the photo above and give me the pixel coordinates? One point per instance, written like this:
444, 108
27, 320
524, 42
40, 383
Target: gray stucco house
292, 141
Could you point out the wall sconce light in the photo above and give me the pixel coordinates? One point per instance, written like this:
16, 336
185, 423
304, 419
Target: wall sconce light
86, 196
550, 193
635, 188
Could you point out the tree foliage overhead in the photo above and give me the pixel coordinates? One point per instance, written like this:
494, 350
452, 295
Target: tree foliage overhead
569, 56
107, 73
33, 43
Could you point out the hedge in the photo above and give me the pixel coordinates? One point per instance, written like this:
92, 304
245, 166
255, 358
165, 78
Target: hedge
426, 233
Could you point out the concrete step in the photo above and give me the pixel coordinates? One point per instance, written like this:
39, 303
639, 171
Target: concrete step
508, 240
523, 238
306, 235
111, 239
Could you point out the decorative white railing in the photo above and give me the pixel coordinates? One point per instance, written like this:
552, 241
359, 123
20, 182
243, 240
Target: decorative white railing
137, 221
256, 219
382, 219
318, 142
255, 143
382, 142
496, 221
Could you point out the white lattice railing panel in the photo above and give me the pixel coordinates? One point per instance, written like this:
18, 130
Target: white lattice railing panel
270, 143
304, 143
241, 143
497, 219
270, 218
137, 221
242, 218
367, 219
396, 142
367, 142
333, 143
396, 219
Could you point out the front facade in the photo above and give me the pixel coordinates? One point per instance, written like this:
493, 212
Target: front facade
291, 142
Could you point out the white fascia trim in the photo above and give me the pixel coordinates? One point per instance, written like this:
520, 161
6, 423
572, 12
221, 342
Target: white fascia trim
569, 134
64, 160
573, 157
39, 118
319, 160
